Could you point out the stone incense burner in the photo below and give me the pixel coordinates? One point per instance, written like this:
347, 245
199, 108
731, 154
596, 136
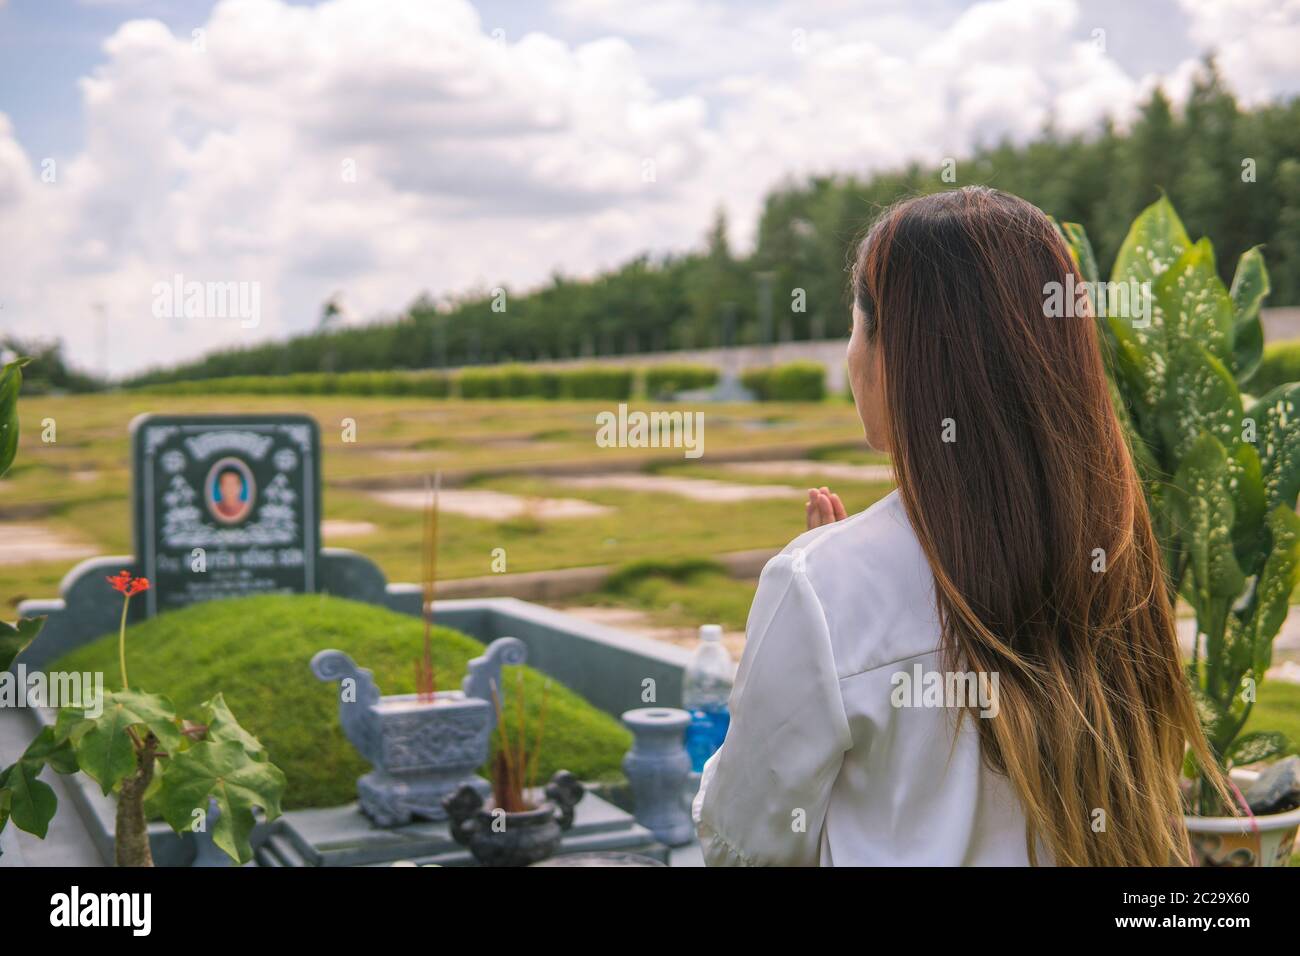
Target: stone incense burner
421, 751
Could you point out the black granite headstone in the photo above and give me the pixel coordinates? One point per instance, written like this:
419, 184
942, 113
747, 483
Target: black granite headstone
225, 506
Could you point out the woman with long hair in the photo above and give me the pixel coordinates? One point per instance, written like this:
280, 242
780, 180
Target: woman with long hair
982, 667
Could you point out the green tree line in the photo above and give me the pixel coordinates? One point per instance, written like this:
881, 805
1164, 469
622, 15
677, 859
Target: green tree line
1234, 174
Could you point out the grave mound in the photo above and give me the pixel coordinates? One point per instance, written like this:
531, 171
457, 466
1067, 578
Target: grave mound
257, 651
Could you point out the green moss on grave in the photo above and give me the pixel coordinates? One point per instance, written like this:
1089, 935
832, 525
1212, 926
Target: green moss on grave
257, 652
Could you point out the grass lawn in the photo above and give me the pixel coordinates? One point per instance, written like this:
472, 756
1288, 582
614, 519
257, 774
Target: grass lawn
678, 593
257, 652
1278, 708
79, 485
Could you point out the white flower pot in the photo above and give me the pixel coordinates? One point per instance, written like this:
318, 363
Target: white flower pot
1266, 840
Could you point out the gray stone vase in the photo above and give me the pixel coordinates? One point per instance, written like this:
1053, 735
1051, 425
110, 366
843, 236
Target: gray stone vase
658, 768
497, 838
421, 751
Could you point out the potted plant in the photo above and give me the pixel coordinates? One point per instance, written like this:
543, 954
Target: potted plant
519, 827
135, 743
1221, 471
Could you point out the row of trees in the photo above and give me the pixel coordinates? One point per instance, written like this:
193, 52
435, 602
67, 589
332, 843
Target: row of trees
1234, 174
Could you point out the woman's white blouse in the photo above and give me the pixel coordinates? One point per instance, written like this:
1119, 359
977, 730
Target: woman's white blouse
820, 767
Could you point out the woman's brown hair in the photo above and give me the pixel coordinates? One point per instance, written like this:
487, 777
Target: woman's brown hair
1018, 481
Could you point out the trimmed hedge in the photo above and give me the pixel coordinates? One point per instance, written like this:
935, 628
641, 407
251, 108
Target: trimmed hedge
793, 382
1279, 366
507, 381
426, 384
665, 381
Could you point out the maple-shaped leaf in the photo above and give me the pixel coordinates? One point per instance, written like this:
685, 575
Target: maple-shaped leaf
29, 801
223, 726
221, 770
106, 751
47, 749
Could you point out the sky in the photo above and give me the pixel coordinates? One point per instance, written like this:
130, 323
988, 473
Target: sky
380, 149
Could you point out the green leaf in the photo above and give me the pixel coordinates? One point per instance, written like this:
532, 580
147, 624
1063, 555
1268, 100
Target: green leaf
1277, 437
58, 754
1203, 504
1247, 484
11, 381
32, 803
1250, 286
224, 771
1252, 748
13, 638
1195, 305
1201, 397
223, 726
1217, 723
1154, 242
105, 750
1279, 578
153, 711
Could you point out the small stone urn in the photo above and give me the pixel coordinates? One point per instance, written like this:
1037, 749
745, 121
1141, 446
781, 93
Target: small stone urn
421, 751
497, 838
658, 767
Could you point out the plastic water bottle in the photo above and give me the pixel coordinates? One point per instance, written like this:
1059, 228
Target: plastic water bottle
705, 692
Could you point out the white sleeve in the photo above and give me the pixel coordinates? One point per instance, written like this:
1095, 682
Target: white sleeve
763, 796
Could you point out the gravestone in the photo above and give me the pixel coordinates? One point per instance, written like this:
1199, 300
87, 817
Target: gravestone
225, 506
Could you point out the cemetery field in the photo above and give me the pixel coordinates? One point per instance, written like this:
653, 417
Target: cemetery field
525, 477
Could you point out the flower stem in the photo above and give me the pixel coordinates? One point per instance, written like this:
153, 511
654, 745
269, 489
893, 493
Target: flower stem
121, 643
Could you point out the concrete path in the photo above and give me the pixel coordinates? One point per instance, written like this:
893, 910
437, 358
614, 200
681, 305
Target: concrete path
840, 470
696, 489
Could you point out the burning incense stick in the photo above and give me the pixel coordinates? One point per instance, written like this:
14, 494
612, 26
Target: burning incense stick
427, 685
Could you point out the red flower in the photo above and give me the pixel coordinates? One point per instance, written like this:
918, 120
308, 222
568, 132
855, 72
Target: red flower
123, 582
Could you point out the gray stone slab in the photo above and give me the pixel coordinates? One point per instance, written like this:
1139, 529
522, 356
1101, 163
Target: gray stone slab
343, 836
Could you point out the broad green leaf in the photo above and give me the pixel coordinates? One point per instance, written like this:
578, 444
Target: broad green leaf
1252, 748
32, 803
1279, 578
1217, 723
1195, 305
224, 771
1154, 242
105, 751
1247, 484
1250, 286
14, 637
1201, 397
1204, 503
223, 726
154, 711
1276, 417
11, 381
71, 724
58, 754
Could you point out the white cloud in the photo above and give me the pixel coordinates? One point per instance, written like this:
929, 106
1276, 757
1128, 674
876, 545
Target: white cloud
1256, 43
482, 159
